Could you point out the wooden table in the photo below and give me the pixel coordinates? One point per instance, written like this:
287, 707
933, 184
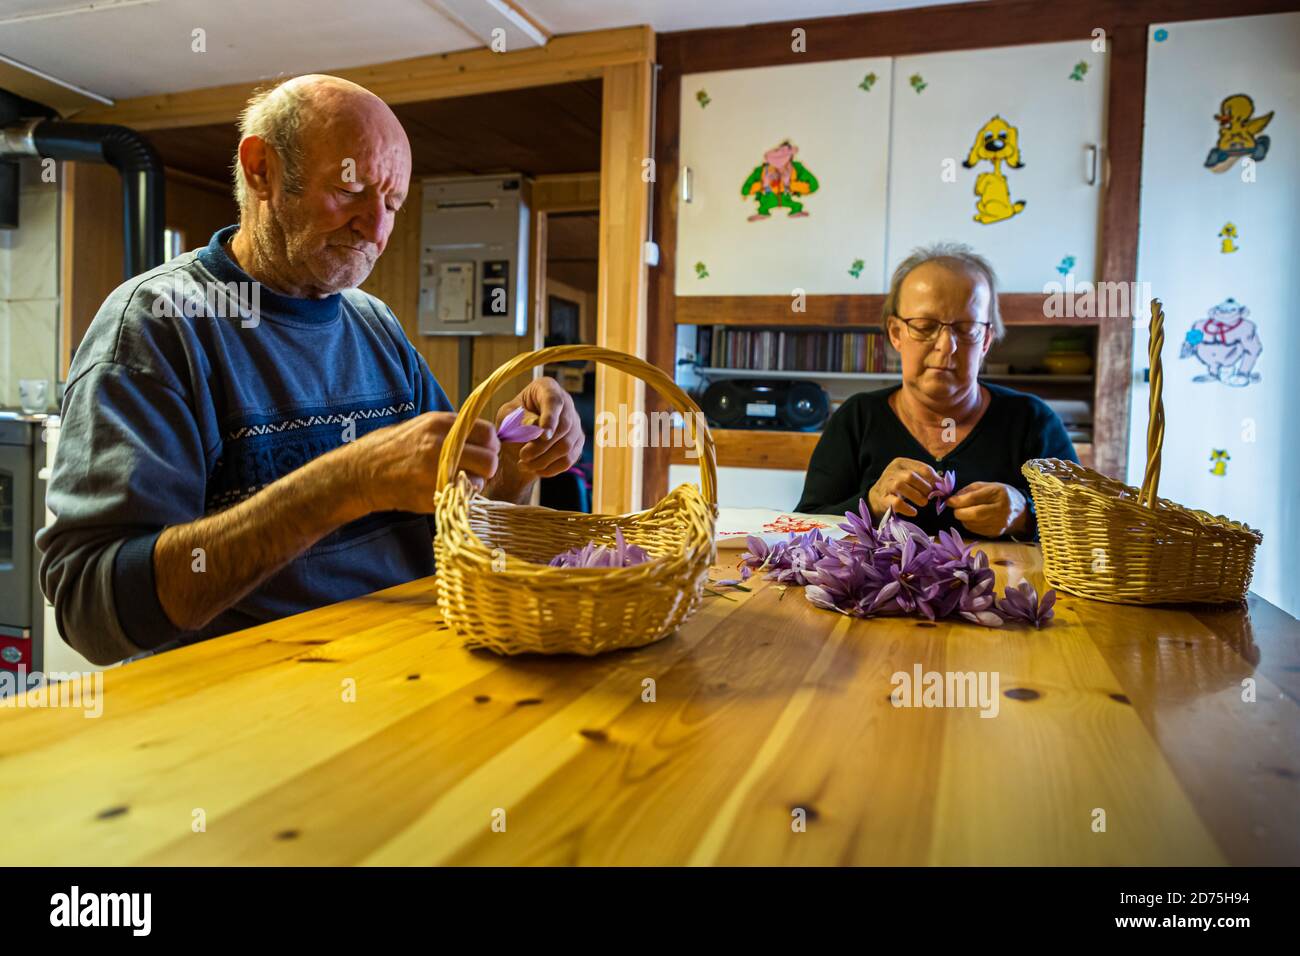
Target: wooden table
766, 711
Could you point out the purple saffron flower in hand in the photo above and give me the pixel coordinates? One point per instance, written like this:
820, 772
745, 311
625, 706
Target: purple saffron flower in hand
512, 429
945, 486
1021, 603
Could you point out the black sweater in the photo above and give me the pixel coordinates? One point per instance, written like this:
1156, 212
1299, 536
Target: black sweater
864, 436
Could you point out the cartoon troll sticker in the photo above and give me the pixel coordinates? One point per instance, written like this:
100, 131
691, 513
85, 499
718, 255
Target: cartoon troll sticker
777, 181
1227, 343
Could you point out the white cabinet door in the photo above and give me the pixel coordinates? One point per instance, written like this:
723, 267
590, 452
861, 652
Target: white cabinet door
816, 226
1027, 120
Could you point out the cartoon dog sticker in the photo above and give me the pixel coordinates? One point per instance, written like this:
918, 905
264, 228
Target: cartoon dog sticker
777, 181
997, 142
1228, 235
1239, 133
1219, 459
1226, 343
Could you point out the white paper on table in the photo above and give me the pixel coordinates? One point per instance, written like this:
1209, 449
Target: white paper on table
735, 524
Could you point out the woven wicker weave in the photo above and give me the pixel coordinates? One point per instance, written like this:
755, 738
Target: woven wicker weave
1106, 540
495, 589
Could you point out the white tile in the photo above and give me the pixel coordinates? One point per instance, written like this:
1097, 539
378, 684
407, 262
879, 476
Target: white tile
6, 332
33, 247
33, 345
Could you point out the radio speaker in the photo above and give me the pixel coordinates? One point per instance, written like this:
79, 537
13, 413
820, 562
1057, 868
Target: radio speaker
755, 403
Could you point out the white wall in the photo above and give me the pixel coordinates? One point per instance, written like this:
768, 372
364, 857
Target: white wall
776, 488
29, 289
1191, 69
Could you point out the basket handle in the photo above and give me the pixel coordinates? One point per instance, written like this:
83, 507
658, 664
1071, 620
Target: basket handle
468, 413
1156, 412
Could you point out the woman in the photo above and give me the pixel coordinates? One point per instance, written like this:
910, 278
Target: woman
891, 446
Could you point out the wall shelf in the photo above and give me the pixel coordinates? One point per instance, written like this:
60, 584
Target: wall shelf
879, 376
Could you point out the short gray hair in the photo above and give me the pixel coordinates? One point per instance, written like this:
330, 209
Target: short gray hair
953, 254
275, 115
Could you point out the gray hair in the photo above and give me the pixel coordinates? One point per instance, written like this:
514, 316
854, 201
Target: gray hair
275, 115
953, 254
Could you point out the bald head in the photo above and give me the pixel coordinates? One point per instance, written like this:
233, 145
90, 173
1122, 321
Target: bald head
323, 165
292, 116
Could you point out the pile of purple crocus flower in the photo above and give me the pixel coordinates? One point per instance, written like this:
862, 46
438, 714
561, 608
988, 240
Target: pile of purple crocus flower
895, 568
591, 555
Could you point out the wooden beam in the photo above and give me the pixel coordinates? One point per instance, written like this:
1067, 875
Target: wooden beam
661, 343
621, 300
579, 56
1121, 202
964, 26
567, 192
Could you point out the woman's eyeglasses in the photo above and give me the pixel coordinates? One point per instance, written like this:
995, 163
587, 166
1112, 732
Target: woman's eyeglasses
927, 330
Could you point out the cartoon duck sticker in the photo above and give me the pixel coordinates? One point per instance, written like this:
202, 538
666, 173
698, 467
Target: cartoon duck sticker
1239, 133
777, 181
997, 142
1227, 343
1228, 234
1219, 459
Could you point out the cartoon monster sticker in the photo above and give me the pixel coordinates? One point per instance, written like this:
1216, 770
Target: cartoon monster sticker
777, 181
1228, 233
1079, 70
996, 142
701, 270
1067, 263
856, 268
1239, 133
868, 82
1226, 343
1219, 459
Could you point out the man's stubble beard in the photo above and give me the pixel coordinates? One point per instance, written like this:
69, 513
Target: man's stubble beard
282, 238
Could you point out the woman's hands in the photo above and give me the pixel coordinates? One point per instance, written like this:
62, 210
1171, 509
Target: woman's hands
904, 486
990, 509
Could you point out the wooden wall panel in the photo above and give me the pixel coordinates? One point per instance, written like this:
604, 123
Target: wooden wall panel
621, 303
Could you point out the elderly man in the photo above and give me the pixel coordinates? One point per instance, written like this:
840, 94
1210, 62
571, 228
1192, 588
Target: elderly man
276, 453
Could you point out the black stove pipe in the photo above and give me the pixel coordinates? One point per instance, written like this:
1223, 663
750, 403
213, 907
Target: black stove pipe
136, 160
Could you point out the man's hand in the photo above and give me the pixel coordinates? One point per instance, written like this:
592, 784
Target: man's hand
990, 509
904, 486
396, 468
550, 453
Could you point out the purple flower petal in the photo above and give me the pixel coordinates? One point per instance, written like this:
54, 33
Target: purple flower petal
591, 555
513, 429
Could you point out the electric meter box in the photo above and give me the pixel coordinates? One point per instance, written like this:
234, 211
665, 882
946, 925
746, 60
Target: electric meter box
474, 256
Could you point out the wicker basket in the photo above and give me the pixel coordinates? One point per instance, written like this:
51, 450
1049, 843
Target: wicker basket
1108, 541
495, 588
